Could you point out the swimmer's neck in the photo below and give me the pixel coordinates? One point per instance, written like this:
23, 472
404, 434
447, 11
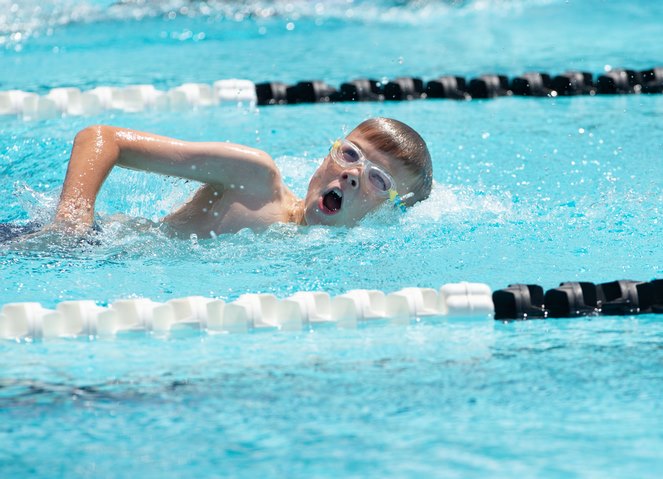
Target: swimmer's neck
295, 211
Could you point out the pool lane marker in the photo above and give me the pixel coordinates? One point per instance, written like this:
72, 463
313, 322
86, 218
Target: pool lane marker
307, 311
303, 311
575, 299
536, 84
60, 102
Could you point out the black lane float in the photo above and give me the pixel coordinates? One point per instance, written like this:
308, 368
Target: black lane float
575, 299
536, 84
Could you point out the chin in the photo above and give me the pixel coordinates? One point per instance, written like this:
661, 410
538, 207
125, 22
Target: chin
316, 217
313, 216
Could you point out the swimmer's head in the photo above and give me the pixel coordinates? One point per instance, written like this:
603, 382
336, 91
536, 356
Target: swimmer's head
379, 158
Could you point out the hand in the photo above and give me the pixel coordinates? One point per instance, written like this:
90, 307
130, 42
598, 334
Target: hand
58, 232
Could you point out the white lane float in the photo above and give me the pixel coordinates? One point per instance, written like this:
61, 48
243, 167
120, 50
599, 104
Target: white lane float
466, 299
235, 91
66, 100
303, 311
69, 101
190, 96
11, 101
79, 318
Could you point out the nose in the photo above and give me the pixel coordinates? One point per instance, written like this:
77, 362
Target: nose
351, 178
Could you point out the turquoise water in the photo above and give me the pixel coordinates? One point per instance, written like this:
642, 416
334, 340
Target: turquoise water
527, 190
541, 399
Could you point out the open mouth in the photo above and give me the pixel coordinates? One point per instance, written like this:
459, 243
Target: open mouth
331, 201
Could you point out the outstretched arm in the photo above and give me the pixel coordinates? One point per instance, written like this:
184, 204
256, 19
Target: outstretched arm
98, 148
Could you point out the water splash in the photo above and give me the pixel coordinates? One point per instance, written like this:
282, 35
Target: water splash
463, 203
39, 206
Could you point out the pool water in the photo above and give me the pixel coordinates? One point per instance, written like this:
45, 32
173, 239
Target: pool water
527, 190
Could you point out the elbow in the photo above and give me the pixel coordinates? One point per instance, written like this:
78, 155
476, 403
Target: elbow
92, 134
96, 141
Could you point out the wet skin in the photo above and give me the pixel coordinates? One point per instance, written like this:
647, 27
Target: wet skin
358, 198
242, 187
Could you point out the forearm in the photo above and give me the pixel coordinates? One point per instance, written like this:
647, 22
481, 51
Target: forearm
93, 155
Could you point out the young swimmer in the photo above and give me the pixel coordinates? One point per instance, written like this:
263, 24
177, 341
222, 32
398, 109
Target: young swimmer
381, 160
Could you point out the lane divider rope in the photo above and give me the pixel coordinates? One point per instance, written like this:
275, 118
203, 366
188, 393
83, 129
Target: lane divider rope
305, 311
536, 84
575, 299
135, 98
301, 311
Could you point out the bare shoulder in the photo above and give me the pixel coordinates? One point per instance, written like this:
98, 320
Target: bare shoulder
236, 154
247, 170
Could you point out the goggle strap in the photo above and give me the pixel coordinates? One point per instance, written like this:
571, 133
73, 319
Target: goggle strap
398, 200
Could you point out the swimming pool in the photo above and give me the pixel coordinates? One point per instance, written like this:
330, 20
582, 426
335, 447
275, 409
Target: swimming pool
527, 190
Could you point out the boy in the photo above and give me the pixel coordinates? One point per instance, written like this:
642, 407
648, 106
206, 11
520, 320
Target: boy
380, 160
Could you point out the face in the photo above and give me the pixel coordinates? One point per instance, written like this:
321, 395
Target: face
341, 195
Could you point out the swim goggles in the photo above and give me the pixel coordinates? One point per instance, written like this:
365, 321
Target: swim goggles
348, 155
